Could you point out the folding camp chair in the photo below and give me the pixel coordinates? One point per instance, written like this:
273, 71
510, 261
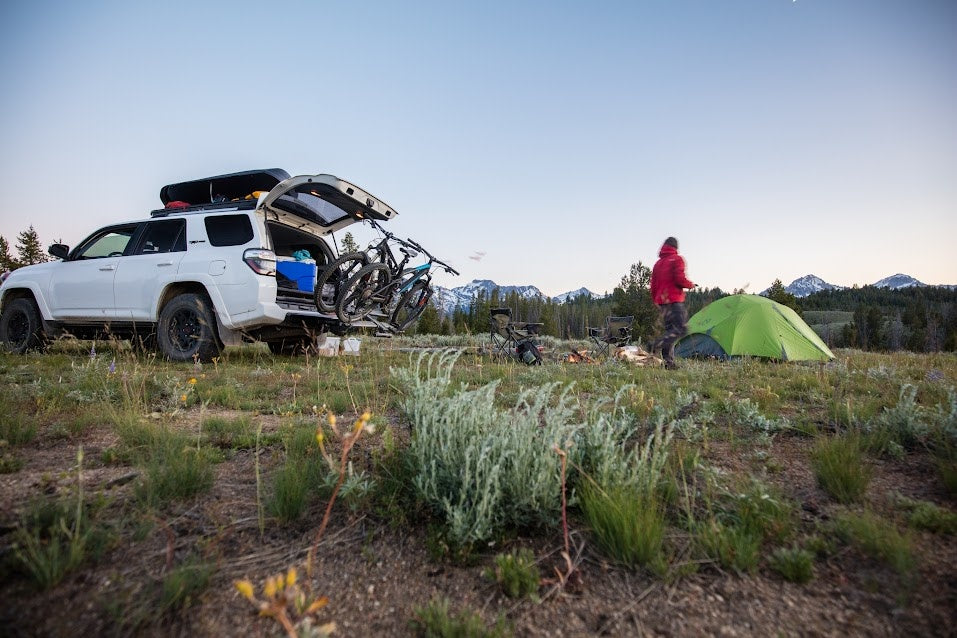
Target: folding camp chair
514, 339
616, 332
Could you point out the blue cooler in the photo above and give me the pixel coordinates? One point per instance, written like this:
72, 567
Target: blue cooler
301, 272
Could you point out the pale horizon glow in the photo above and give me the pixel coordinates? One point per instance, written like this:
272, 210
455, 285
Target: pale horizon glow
774, 139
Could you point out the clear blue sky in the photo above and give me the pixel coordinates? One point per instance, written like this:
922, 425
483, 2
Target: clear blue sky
565, 140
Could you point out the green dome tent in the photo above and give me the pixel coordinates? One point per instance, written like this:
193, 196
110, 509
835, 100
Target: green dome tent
750, 325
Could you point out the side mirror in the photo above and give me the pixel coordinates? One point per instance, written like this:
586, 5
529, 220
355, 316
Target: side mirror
61, 251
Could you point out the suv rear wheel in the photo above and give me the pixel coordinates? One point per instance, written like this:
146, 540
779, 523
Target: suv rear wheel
21, 327
187, 329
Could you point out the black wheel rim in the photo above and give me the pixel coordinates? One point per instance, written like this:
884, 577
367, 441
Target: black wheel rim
185, 330
18, 329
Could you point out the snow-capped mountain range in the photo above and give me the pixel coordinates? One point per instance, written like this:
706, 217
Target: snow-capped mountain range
448, 299
810, 284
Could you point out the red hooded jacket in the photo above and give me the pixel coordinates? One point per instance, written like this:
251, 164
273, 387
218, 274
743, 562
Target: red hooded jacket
668, 278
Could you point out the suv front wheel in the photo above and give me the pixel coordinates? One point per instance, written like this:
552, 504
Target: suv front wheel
187, 329
21, 328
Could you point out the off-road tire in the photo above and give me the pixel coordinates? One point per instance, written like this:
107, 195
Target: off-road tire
187, 329
336, 275
21, 326
411, 305
357, 298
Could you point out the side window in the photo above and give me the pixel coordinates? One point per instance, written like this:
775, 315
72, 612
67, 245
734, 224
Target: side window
228, 230
165, 236
111, 242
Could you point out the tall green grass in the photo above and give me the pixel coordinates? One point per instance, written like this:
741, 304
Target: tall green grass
840, 467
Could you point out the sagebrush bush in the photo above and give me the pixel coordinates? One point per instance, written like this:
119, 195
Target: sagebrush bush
903, 425
484, 469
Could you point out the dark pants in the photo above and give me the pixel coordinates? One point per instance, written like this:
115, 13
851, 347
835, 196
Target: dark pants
676, 326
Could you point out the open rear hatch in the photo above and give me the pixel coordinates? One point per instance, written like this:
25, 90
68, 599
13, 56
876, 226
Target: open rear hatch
318, 204
322, 204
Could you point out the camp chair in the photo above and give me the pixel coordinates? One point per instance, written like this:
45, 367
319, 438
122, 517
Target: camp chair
515, 339
616, 332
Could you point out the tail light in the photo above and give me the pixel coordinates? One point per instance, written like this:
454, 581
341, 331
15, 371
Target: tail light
262, 261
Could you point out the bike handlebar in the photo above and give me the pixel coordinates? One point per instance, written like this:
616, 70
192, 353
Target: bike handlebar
411, 243
432, 257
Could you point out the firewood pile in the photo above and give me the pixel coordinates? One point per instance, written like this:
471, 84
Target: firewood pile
636, 356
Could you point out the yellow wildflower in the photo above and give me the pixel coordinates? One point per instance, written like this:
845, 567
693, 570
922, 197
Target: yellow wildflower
319, 437
270, 589
245, 588
291, 577
182, 398
192, 381
332, 419
318, 604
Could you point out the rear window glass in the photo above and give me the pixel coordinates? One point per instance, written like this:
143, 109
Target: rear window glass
229, 230
308, 203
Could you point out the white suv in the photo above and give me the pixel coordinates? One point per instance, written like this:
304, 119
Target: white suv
198, 274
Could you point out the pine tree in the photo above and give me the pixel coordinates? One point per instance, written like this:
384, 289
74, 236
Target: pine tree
633, 297
349, 244
7, 262
777, 293
29, 249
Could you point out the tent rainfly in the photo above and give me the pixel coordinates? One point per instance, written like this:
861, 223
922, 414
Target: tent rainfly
750, 325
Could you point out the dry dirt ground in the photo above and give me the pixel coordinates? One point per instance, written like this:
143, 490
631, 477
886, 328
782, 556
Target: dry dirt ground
375, 574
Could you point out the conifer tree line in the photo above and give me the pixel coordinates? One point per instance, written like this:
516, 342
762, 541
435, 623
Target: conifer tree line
919, 318
28, 249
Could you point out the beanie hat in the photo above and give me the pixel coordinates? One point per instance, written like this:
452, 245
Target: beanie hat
671, 241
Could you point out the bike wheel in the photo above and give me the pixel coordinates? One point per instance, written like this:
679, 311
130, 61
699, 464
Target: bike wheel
332, 279
363, 293
411, 305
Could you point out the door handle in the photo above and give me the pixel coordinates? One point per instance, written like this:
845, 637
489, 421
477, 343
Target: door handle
165, 263
107, 268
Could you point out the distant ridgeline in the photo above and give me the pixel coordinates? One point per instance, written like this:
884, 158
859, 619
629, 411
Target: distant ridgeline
920, 319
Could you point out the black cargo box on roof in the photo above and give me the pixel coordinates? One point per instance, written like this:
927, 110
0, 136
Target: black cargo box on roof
209, 190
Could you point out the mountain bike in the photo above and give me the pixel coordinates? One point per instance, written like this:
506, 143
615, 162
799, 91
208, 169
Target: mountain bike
377, 286
330, 282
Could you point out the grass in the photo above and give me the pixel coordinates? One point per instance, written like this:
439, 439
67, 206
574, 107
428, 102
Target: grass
516, 574
628, 527
436, 620
878, 538
731, 546
794, 564
720, 492
184, 584
840, 468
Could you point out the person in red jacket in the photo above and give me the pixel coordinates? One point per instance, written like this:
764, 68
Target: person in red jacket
668, 281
